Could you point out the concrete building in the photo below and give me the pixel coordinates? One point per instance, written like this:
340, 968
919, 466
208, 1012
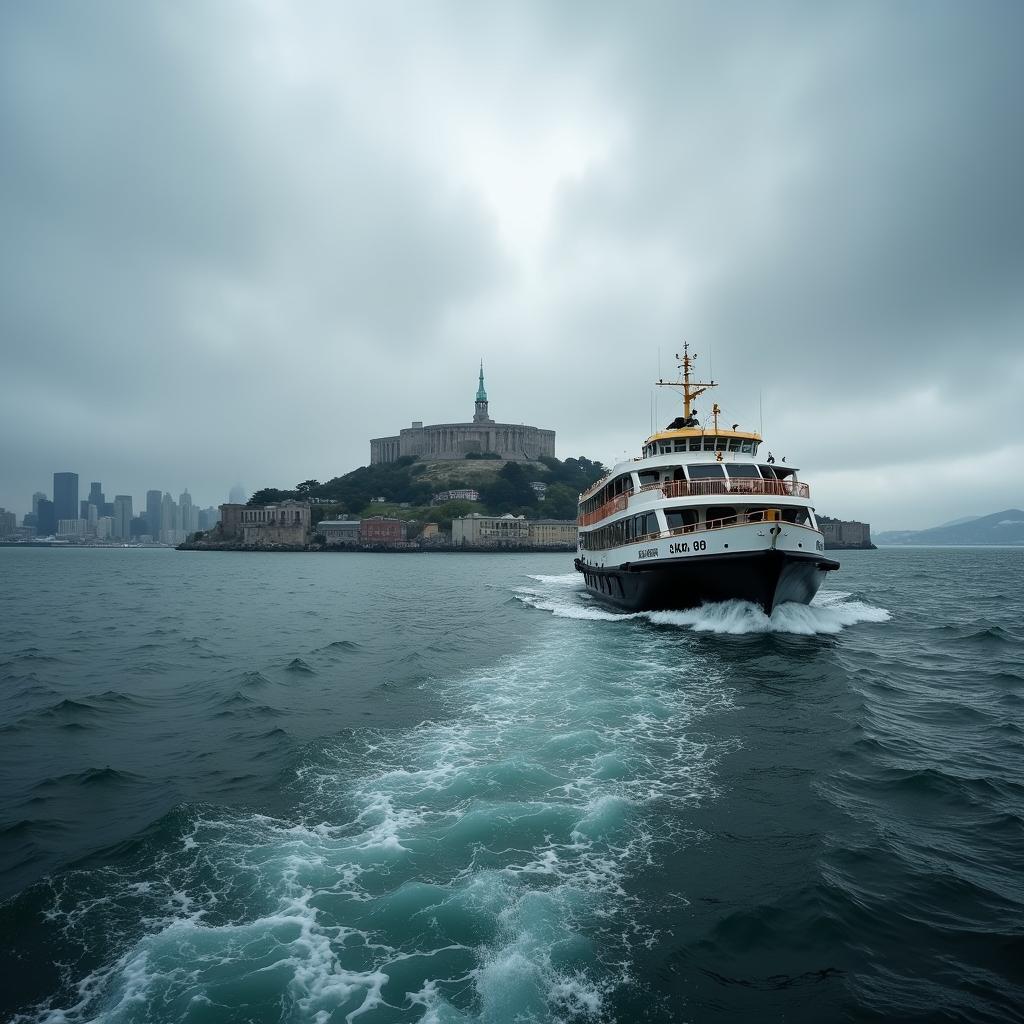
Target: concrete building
153, 506
96, 496
8, 523
72, 527
65, 496
169, 526
122, 528
186, 513
381, 530
553, 533
46, 518
459, 494
438, 441
104, 527
339, 532
840, 533
285, 522
477, 531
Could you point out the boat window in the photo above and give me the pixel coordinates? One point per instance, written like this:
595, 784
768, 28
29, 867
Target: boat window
747, 447
648, 476
722, 515
734, 444
721, 444
794, 515
737, 469
709, 443
680, 446
677, 518
713, 471
768, 472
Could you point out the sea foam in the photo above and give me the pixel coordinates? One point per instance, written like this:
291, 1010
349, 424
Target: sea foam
565, 596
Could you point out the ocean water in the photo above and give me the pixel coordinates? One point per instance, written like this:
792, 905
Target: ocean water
441, 788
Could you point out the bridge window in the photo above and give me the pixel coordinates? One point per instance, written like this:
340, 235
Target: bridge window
734, 444
711, 472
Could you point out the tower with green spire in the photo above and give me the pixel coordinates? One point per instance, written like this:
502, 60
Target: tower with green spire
480, 414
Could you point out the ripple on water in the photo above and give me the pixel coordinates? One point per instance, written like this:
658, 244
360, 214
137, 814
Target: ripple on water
458, 868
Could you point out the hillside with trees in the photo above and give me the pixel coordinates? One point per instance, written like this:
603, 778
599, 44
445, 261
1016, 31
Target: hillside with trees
503, 486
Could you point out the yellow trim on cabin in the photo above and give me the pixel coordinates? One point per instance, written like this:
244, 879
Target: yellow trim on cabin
667, 435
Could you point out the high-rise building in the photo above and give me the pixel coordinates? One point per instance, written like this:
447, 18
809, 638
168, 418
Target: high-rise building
169, 520
65, 496
46, 518
8, 523
122, 528
153, 506
83, 509
238, 496
187, 512
36, 498
96, 496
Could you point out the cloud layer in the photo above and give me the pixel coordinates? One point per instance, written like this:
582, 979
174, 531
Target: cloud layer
242, 239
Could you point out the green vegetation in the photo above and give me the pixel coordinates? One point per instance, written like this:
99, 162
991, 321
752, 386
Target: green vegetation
407, 486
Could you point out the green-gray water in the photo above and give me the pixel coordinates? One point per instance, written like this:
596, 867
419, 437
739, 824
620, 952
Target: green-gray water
453, 788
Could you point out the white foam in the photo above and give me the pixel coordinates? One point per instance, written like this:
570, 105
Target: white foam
566, 597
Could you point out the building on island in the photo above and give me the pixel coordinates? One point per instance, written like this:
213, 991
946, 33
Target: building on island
459, 494
285, 522
510, 531
339, 532
381, 530
477, 531
558, 533
513, 441
841, 533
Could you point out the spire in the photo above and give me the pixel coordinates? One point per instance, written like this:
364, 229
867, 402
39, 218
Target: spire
481, 395
480, 414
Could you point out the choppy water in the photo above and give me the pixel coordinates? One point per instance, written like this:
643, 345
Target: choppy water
453, 788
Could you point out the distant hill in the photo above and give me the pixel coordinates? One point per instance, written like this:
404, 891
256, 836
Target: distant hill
1005, 527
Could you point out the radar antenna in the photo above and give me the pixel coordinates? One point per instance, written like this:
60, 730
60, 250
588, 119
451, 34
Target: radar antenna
690, 390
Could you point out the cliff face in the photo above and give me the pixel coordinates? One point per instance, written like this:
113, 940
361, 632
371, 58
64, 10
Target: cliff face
1001, 528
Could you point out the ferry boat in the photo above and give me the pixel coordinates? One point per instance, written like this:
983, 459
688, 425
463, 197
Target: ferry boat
700, 516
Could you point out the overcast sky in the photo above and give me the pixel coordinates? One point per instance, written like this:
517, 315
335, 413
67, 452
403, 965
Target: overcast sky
241, 239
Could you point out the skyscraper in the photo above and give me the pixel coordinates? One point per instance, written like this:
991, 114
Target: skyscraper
153, 499
96, 496
122, 529
187, 512
36, 498
168, 520
65, 495
46, 518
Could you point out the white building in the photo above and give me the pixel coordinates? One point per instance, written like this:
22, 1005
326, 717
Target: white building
477, 531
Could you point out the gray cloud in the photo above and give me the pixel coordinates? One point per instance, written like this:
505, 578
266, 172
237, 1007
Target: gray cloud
241, 240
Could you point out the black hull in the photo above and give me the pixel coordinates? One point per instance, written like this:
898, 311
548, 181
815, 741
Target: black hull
765, 578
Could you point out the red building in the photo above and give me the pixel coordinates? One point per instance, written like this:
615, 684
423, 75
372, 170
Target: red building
380, 530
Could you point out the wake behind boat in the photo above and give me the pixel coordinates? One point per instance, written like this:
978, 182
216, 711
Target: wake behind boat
699, 517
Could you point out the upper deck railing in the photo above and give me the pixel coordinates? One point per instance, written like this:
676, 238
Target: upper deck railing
735, 486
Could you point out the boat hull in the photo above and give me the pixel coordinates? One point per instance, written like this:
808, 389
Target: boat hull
765, 578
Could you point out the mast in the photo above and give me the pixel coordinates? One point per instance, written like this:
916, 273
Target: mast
691, 390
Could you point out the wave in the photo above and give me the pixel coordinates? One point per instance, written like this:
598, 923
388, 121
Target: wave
831, 611
475, 868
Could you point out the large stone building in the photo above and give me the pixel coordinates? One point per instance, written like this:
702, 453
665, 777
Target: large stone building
842, 533
512, 441
285, 522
